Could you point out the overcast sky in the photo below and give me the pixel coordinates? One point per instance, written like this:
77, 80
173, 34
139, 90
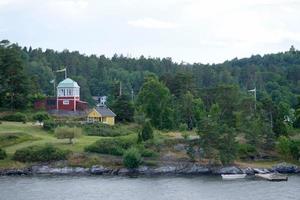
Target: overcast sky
206, 31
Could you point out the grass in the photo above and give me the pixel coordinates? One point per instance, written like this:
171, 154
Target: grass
43, 137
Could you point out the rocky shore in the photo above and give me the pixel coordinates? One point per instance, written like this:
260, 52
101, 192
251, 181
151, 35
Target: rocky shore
178, 169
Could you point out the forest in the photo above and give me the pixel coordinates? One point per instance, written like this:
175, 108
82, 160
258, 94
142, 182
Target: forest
218, 101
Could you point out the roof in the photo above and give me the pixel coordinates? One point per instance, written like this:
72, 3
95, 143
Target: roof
105, 111
68, 83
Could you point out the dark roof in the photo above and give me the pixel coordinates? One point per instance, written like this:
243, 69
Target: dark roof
105, 111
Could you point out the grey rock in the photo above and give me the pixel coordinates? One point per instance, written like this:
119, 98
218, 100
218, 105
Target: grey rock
98, 170
124, 171
285, 168
248, 171
228, 170
261, 170
179, 147
164, 170
197, 169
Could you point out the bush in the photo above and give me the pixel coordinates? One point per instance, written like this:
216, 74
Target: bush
41, 116
183, 127
16, 117
288, 149
247, 151
49, 125
40, 154
132, 158
105, 130
147, 132
2, 154
113, 146
65, 132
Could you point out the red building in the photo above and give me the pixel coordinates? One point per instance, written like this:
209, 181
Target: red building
68, 98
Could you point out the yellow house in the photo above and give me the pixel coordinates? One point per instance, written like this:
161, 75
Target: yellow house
101, 114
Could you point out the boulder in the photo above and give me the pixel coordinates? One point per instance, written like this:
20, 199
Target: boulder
196, 169
228, 170
285, 168
261, 170
248, 171
165, 170
99, 170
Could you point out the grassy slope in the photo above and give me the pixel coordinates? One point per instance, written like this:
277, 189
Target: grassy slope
44, 137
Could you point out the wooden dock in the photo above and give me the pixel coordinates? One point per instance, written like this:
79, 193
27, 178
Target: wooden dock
273, 177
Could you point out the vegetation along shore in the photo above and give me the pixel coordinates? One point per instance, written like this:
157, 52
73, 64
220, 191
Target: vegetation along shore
147, 116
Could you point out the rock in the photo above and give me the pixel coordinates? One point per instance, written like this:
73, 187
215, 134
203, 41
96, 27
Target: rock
261, 170
144, 170
179, 147
228, 170
40, 169
16, 172
165, 170
285, 168
124, 171
99, 170
81, 170
248, 171
196, 169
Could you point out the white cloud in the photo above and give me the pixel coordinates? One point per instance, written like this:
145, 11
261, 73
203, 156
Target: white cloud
151, 23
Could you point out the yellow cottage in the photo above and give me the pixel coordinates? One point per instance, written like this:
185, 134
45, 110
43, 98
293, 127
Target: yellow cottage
101, 114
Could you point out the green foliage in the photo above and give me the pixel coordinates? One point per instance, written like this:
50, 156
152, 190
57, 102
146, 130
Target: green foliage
228, 146
183, 127
113, 146
288, 149
40, 154
132, 158
41, 116
2, 154
105, 130
65, 132
123, 108
147, 131
15, 117
247, 151
154, 100
49, 125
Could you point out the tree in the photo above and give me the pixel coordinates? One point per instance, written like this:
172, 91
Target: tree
14, 86
41, 116
123, 108
190, 110
147, 131
154, 100
132, 158
65, 132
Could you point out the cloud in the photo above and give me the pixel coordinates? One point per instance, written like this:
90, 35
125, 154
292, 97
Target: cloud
150, 23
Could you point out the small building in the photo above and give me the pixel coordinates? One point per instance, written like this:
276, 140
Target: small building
67, 99
101, 114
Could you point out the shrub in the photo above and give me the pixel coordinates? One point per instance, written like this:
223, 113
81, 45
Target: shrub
40, 154
147, 132
183, 127
16, 117
246, 151
132, 158
287, 148
113, 146
105, 130
49, 125
41, 116
65, 132
2, 154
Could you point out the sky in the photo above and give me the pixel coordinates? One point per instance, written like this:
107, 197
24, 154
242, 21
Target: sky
193, 31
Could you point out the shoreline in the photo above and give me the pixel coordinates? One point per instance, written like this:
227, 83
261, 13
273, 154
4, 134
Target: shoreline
190, 169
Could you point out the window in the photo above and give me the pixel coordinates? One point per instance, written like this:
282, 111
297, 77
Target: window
66, 102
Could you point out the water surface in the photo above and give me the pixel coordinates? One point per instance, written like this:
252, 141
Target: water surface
158, 188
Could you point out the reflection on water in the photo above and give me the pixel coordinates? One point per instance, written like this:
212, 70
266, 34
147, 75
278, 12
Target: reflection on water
143, 188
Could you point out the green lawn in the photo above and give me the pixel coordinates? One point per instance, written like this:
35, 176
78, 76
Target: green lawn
41, 137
